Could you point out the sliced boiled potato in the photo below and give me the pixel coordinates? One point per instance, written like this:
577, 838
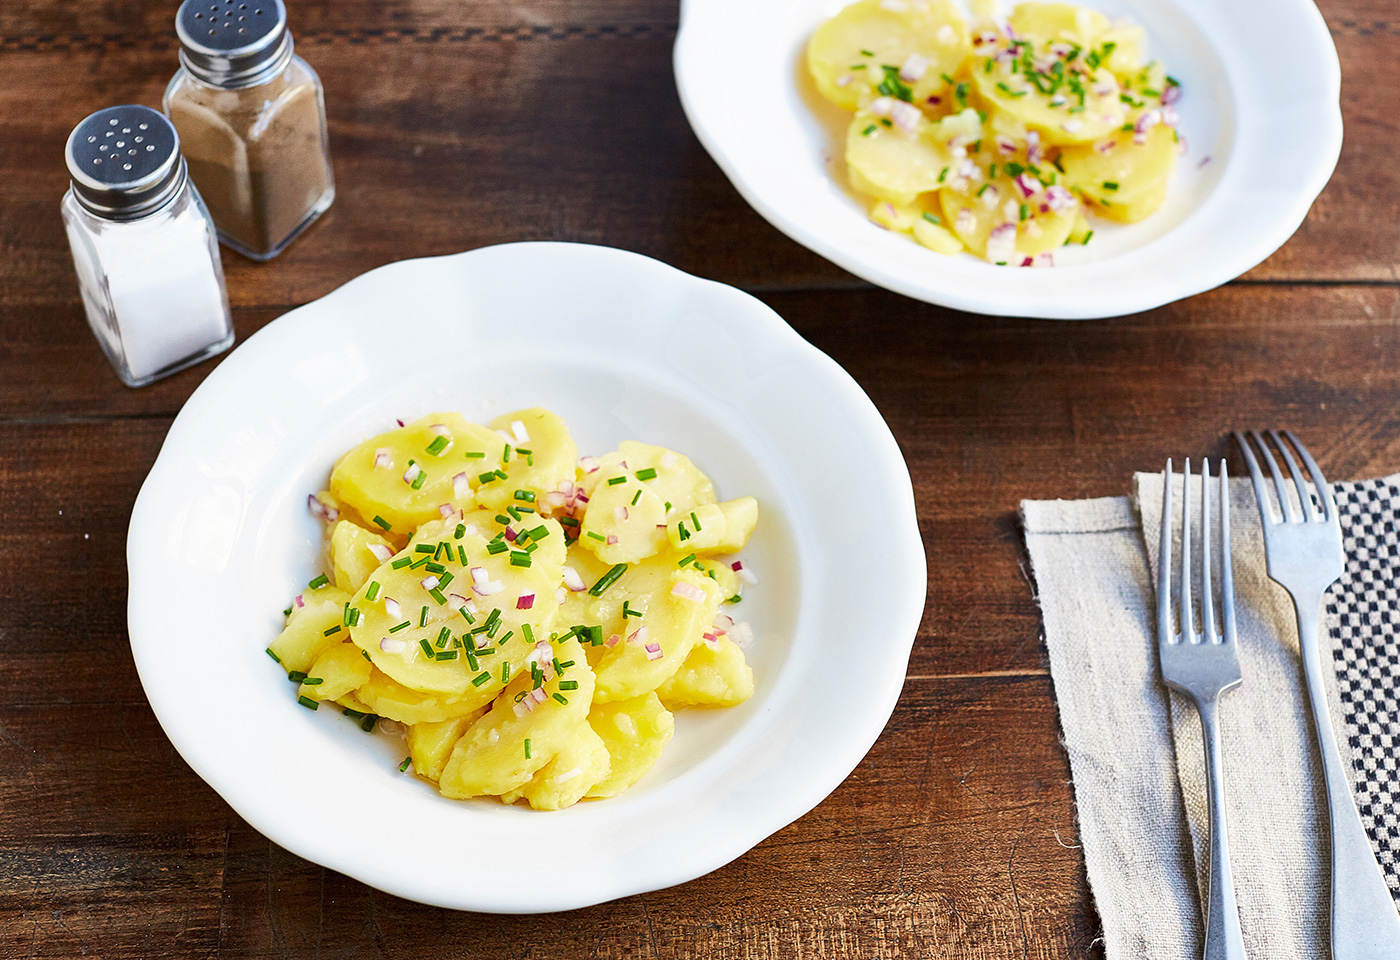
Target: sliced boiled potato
385, 696
1123, 180
713, 675
314, 613
714, 527
338, 671
634, 731
1058, 22
848, 54
892, 162
355, 554
430, 744
651, 652
974, 207
505, 748
542, 456
512, 589
632, 493
579, 765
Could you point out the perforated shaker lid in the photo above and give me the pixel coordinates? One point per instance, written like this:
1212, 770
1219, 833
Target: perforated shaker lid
232, 43
124, 161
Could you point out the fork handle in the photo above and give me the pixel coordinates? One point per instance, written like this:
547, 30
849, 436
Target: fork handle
1223, 939
1365, 922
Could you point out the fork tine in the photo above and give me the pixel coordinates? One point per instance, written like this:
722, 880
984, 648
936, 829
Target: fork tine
1285, 506
1304, 500
1261, 489
1207, 595
1227, 574
1324, 489
1164, 563
1188, 624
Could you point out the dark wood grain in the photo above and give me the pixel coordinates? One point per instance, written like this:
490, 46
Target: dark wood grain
455, 125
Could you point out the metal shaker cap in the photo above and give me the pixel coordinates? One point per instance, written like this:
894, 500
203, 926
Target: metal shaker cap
124, 162
233, 43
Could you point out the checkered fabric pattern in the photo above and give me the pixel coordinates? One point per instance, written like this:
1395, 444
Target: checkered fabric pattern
1364, 616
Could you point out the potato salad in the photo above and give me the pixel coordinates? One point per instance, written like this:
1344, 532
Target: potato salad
998, 138
532, 618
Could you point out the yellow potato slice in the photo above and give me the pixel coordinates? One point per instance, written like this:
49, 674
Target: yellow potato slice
635, 731
1123, 180
714, 527
338, 671
975, 206
653, 650
848, 53
430, 744
304, 637
406, 613
550, 460
377, 479
493, 757
354, 556
385, 696
714, 675
619, 530
890, 161
565, 780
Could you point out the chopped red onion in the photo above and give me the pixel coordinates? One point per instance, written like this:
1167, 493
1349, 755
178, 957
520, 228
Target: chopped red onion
456, 601
445, 509
882, 106
393, 645
383, 457
588, 464
1033, 153
689, 591
560, 594
963, 221
391, 607
638, 636
914, 67
429, 582
620, 513
1028, 185
381, 552
612, 539
510, 533
572, 580
299, 601
1171, 95
517, 427
668, 459
612, 641
525, 705
1058, 100
990, 196
480, 575
844, 80
907, 117
1204, 160
1072, 125
411, 473
1044, 260
490, 588
746, 575
1060, 199
525, 601
314, 504
566, 777
399, 422
461, 487
946, 35
1005, 144
653, 651
1001, 243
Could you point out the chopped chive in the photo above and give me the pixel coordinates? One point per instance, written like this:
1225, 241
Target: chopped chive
432, 567
560, 697
382, 522
561, 667
501, 518
313, 681
401, 562
372, 593
1085, 241
868, 130
607, 580
444, 635
522, 452
505, 672
983, 189
527, 495
646, 473
481, 678
1110, 185
539, 533
352, 714
518, 558
734, 599
492, 617
274, 656
427, 647
333, 630
486, 477
504, 637
437, 595
1025, 211
932, 219
445, 580
404, 766
499, 546
351, 617
307, 702
686, 559
943, 174
396, 629
296, 676
614, 481
462, 555
867, 53
596, 536
567, 521
668, 506
367, 724
319, 582
423, 617
466, 614
505, 454
568, 684
695, 520
472, 662
460, 531
424, 548
475, 455
365, 654
527, 748
682, 531
528, 633
637, 497
501, 475
288, 612
445, 655
438, 445
420, 562
524, 509
514, 512
419, 480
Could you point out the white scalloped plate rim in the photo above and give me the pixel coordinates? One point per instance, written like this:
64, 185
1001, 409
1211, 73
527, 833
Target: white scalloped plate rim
1273, 133
220, 536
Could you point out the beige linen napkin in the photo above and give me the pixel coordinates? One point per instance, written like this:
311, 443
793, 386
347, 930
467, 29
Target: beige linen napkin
1136, 754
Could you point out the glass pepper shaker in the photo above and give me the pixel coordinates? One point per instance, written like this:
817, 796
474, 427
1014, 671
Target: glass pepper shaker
252, 118
143, 246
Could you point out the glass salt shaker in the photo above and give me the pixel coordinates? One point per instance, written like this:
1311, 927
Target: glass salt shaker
252, 118
143, 246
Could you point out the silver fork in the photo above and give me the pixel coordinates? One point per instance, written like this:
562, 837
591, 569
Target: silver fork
1303, 547
1202, 666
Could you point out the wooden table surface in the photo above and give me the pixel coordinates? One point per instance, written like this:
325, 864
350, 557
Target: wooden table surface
457, 124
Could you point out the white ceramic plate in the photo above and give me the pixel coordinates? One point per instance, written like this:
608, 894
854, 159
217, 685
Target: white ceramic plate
622, 347
1262, 87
